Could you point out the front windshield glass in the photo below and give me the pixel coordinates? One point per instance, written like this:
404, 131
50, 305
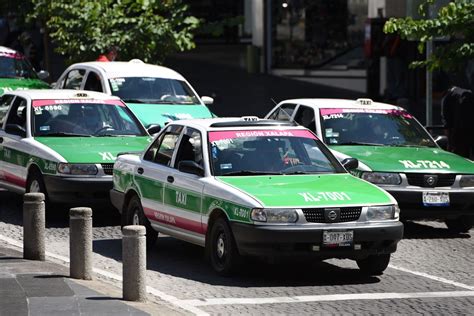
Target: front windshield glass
260, 152
152, 90
95, 118
375, 127
15, 66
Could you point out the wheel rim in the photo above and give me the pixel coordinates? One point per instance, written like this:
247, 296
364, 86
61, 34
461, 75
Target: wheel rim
34, 186
220, 246
135, 218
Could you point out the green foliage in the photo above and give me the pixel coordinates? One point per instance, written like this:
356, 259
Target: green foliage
146, 29
217, 28
453, 23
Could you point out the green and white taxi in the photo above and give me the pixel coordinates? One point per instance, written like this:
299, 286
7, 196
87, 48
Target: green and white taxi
247, 187
395, 152
155, 94
64, 143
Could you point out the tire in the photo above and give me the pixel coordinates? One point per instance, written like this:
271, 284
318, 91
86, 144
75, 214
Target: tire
374, 264
461, 224
35, 183
135, 216
221, 248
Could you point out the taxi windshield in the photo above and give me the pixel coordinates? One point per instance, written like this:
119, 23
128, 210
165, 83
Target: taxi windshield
373, 128
83, 119
152, 90
261, 152
16, 66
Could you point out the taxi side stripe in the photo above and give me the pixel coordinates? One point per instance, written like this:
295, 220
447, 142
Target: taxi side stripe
169, 219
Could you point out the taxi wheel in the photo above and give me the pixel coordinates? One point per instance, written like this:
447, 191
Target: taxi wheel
35, 184
136, 216
221, 248
374, 264
461, 224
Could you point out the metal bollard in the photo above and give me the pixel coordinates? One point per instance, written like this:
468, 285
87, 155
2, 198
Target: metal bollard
33, 226
80, 243
134, 263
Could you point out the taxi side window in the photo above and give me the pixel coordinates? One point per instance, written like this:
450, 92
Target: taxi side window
305, 117
283, 113
17, 116
161, 151
190, 147
5, 102
74, 79
93, 82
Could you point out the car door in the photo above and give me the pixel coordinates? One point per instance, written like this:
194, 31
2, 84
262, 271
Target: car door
150, 176
13, 148
183, 197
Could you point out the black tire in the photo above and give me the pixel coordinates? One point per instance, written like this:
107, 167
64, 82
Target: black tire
135, 216
374, 264
35, 183
461, 224
221, 248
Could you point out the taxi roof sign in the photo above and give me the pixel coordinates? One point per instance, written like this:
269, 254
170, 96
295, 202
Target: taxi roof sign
81, 95
363, 101
249, 118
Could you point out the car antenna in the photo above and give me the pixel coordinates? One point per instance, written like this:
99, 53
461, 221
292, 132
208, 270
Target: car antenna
273, 101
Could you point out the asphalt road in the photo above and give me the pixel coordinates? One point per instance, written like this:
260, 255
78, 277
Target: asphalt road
431, 273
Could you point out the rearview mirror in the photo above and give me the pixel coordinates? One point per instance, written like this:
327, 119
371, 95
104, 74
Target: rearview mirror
192, 167
442, 141
43, 74
350, 163
15, 129
207, 100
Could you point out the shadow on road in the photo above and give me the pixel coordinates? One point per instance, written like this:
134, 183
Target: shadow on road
180, 259
420, 230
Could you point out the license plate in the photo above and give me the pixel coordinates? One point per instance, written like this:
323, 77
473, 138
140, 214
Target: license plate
435, 198
338, 238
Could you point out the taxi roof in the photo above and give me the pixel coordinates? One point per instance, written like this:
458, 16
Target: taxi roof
47, 94
211, 124
343, 103
133, 68
8, 50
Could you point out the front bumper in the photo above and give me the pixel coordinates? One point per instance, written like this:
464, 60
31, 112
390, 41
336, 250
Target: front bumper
410, 201
278, 241
78, 191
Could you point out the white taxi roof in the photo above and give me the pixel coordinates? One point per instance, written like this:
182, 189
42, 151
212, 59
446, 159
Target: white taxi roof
133, 68
342, 104
7, 50
46, 94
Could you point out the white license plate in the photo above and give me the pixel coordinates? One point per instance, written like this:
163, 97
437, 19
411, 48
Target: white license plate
435, 198
338, 238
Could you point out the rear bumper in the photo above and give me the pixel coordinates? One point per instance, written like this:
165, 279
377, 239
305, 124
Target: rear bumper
277, 241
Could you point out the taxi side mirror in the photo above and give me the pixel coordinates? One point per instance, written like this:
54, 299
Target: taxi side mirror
442, 141
192, 167
15, 129
350, 163
153, 129
43, 74
207, 100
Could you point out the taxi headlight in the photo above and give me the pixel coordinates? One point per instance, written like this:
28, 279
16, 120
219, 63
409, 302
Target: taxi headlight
466, 181
277, 215
382, 177
380, 213
77, 169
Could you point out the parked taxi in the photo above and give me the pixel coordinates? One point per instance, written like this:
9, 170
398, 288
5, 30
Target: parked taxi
395, 152
247, 187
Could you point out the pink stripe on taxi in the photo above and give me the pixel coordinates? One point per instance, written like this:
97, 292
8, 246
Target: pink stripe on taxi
38, 103
215, 136
173, 220
13, 179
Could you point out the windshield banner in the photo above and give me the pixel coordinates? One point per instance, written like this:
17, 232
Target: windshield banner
38, 103
329, 113
216, 136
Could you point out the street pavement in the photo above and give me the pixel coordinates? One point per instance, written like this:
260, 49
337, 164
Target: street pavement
432, 272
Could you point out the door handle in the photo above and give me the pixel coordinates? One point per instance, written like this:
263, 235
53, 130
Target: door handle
170, 179
140, 170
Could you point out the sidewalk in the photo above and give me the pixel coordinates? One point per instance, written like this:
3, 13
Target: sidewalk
30, 287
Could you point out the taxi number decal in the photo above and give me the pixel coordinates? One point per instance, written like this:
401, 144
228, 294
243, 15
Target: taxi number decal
107, 156
240, 212
49, 166
325, 196
431, 164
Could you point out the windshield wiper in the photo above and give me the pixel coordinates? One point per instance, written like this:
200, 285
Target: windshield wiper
358, 144
250, 173
66, 134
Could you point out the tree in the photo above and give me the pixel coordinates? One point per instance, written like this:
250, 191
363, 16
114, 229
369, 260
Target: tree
453, 22
146, 29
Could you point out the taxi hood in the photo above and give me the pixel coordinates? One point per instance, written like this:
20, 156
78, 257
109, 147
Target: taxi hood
153, 114
93, 149
408, 159
309, 190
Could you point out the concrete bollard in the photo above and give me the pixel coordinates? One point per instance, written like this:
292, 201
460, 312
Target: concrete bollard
80, 243
134, 263
33, 226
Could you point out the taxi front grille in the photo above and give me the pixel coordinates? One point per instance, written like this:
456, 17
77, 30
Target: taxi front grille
345, 214
108, 168
419, 179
